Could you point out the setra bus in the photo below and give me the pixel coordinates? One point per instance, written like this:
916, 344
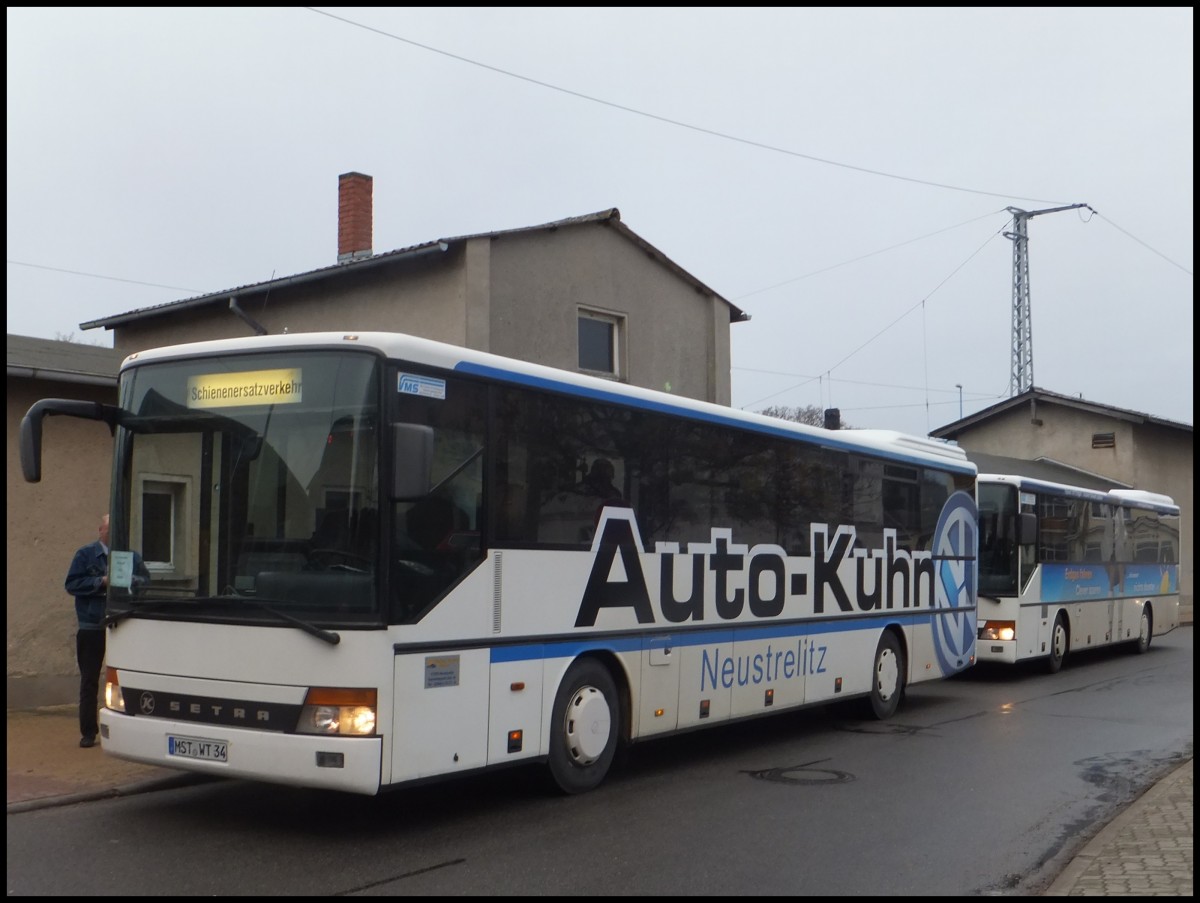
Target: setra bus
1064, 568
378, 559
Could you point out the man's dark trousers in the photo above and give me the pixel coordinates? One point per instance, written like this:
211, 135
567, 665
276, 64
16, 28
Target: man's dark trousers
89, 651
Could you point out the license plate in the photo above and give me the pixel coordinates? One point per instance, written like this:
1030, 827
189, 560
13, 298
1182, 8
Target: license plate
195, 748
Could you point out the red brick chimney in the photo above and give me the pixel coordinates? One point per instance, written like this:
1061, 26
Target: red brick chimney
354, 216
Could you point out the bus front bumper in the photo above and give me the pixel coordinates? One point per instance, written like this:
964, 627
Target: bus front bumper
350, 764
1004, 651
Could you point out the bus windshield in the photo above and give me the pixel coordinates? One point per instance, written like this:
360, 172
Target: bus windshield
249, 484
998, 545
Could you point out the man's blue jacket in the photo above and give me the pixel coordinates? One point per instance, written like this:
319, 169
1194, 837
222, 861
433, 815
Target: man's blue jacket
83, 582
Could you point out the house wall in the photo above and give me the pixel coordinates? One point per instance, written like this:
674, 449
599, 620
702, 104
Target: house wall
425, 297
541, 280
516, 294
47, 522
1146, 456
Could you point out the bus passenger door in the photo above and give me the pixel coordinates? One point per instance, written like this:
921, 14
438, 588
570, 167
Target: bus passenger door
658, 701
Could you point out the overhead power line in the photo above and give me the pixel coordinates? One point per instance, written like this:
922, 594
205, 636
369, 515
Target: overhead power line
759, 291
675, 122
914, 307
38, 266
1140, 242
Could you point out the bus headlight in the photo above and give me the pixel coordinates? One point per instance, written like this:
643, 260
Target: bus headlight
113, 697
998, 630
335, 711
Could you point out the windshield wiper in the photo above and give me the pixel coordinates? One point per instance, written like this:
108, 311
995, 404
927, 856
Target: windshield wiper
137, 608
327, 636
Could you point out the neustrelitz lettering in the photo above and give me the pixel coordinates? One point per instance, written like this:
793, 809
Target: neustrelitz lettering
723, 670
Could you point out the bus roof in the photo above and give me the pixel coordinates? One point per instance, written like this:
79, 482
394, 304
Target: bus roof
427, 352
1128, 498
1048, 486
1139, 498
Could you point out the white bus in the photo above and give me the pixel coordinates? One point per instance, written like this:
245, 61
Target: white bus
378, 559
1063, 568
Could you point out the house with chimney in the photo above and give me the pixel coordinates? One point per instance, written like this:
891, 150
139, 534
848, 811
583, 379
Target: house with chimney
585, 293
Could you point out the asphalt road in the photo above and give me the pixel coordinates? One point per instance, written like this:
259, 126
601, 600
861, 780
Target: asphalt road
986, 784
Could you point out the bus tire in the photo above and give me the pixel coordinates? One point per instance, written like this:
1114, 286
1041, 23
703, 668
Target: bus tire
584, 726
1060, 644
1145, 631
887, 677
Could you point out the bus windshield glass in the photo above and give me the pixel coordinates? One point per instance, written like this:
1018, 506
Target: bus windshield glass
249, 484
998, 545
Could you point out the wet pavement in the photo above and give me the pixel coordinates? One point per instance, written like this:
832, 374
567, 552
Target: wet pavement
1146, 850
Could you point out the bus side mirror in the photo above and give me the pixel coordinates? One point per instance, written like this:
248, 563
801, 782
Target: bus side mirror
31, 428
31, 446
412, 461
1026, 528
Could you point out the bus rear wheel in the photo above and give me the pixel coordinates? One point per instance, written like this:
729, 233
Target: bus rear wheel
887, 677
1060, 642
584, 726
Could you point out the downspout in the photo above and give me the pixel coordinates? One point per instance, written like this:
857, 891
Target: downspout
258, 328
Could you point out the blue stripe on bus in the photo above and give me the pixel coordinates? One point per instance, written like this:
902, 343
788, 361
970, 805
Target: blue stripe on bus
830, 441
635, 643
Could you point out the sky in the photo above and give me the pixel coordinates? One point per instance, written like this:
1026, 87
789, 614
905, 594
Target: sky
842, 175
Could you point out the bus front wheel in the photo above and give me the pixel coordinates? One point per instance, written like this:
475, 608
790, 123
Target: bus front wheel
585, 721
887, 677
1145, 631
1060, 642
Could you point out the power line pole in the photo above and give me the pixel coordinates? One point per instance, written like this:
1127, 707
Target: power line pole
1021, 377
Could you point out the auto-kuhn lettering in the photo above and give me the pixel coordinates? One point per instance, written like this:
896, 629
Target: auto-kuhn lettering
728, 579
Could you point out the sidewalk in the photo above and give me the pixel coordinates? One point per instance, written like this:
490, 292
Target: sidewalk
46, 767
1145, 851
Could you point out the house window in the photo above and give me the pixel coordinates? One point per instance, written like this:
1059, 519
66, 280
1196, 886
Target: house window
163, 503
599, 342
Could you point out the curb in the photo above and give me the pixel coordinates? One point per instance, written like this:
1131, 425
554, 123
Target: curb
87, 796
1100, 846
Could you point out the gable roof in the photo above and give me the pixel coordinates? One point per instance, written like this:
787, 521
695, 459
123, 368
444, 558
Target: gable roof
610, 217
72, 362
1035, 395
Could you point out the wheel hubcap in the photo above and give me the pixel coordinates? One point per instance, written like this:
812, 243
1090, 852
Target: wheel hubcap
887, 675
587, 726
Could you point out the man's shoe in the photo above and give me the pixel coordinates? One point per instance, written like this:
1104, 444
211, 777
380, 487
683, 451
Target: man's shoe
87, 742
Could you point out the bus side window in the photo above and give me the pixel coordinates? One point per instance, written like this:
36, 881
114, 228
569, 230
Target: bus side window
433, 521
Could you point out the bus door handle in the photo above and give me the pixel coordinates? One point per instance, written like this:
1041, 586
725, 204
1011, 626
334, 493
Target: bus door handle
660, 651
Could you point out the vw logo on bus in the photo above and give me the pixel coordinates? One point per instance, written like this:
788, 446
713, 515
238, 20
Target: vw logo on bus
955, 541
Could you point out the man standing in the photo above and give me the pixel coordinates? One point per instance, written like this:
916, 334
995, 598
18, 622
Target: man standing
87, 581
